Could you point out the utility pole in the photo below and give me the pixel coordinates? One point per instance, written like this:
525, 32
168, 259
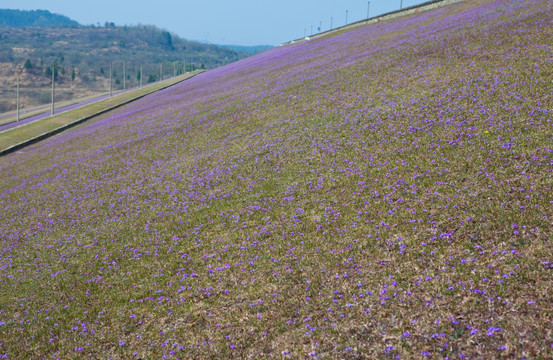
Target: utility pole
141, 75
368, 8
331, 19
347, 17
161, 71
124, 76
401, 4
110, 79
18, 97
53, 82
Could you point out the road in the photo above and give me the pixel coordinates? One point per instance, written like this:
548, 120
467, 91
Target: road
46, 110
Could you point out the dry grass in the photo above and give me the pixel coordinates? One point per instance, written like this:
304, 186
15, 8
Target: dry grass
343, 198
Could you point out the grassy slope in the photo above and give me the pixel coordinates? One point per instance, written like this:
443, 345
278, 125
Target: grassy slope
384, 192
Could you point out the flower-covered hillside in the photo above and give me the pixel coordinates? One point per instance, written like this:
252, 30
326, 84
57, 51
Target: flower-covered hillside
383, 192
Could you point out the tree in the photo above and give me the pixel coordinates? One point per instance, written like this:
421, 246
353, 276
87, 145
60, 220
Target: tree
102, 70
138, 75
48, 72
167, 39
28, 64
6, 54
73, 75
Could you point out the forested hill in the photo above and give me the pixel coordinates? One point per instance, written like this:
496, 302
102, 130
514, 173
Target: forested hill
34, 18
92, 47
82, 54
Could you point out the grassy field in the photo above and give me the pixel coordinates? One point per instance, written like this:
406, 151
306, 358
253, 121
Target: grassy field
29, 131
381, 193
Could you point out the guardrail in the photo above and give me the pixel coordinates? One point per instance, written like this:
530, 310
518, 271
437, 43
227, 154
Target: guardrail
429, 5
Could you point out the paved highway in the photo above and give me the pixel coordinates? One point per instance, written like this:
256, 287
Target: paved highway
46, 109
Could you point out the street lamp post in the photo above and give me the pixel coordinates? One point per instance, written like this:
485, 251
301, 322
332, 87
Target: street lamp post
368, 8
110, 79
347, 17
53, 82
18, 96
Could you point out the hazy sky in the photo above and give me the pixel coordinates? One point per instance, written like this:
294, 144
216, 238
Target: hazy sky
241, 22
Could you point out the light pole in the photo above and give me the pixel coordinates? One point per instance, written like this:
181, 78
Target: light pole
53, 82
346, 17
368, 8
401, 4
18, 96
110, 79
331, 18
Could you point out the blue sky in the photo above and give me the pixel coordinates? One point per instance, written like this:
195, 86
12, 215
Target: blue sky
241, 22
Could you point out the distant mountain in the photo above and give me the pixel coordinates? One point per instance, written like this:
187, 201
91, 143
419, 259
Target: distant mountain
34, 18
252, 50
